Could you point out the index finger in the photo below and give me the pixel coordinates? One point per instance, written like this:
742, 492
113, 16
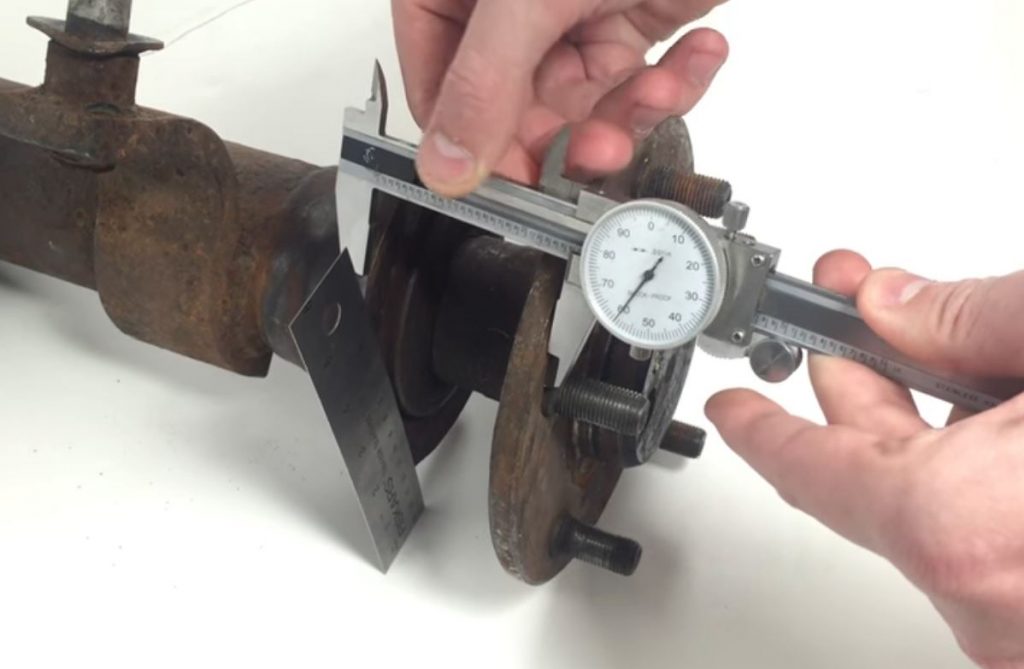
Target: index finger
832, 473
427, 34
487, 88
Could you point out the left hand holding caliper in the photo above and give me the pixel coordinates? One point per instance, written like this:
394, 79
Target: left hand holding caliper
945, 506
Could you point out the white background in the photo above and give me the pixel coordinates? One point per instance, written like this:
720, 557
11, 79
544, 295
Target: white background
157, 512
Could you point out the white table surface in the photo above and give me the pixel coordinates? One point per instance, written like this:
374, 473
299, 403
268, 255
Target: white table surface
156, 512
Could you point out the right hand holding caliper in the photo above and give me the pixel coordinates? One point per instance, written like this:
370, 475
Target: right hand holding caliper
945, 506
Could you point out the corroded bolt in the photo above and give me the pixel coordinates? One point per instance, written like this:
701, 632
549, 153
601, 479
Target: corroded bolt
705, 195
86, 16
684, 440
603, 405
593, 546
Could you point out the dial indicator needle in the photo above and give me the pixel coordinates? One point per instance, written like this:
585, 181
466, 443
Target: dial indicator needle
645, 279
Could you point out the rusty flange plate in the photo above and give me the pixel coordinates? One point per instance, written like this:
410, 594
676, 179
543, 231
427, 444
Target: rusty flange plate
537, 478
545, 469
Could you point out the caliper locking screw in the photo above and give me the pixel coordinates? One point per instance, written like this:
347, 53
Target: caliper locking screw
603, 405
775, 361
684, 440
705, 195
601, 549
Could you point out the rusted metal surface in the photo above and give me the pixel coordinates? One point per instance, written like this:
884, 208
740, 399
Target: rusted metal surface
660, 379
11, 86
669, 146
550, 472
538, 478
179, 232
105, 82
209, 249
92, 34
705, 195
200, 247
489, 283
169, 241
408, 277
49, 207
295, 211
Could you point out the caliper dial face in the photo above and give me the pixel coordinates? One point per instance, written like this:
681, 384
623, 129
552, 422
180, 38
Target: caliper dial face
651, 274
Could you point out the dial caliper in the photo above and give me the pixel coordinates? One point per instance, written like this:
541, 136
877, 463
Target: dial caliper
654, 273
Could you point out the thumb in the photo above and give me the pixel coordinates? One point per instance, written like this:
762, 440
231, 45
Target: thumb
971, 327
487, 89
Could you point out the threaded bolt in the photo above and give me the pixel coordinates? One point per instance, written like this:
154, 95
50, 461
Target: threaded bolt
593, 546
88, 16
705, 195
603, 405
684, 440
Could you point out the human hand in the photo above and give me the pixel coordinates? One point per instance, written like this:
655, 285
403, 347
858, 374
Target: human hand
493, 81
946, 506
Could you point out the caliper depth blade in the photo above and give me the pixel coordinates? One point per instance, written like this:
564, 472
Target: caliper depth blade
824, 322
335, 338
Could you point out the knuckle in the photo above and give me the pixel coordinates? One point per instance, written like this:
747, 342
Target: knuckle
958, 312
472, 86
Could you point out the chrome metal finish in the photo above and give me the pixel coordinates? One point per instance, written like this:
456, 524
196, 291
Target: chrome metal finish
823, 322
775, 361
354, 197
337, 345
735, 218
552, 176
729, 335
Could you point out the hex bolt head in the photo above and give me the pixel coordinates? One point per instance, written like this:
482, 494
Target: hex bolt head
593, 546
684, 440
602, 405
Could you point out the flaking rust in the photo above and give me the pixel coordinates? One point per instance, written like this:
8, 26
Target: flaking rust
210, 249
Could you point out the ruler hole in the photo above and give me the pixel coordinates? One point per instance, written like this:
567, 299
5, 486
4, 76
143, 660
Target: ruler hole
331, 318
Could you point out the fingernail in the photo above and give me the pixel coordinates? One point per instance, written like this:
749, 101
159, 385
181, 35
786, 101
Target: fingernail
444, 162
645, 120
900, 289
704, 66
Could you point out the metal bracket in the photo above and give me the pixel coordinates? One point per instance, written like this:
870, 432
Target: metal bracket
748, 266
